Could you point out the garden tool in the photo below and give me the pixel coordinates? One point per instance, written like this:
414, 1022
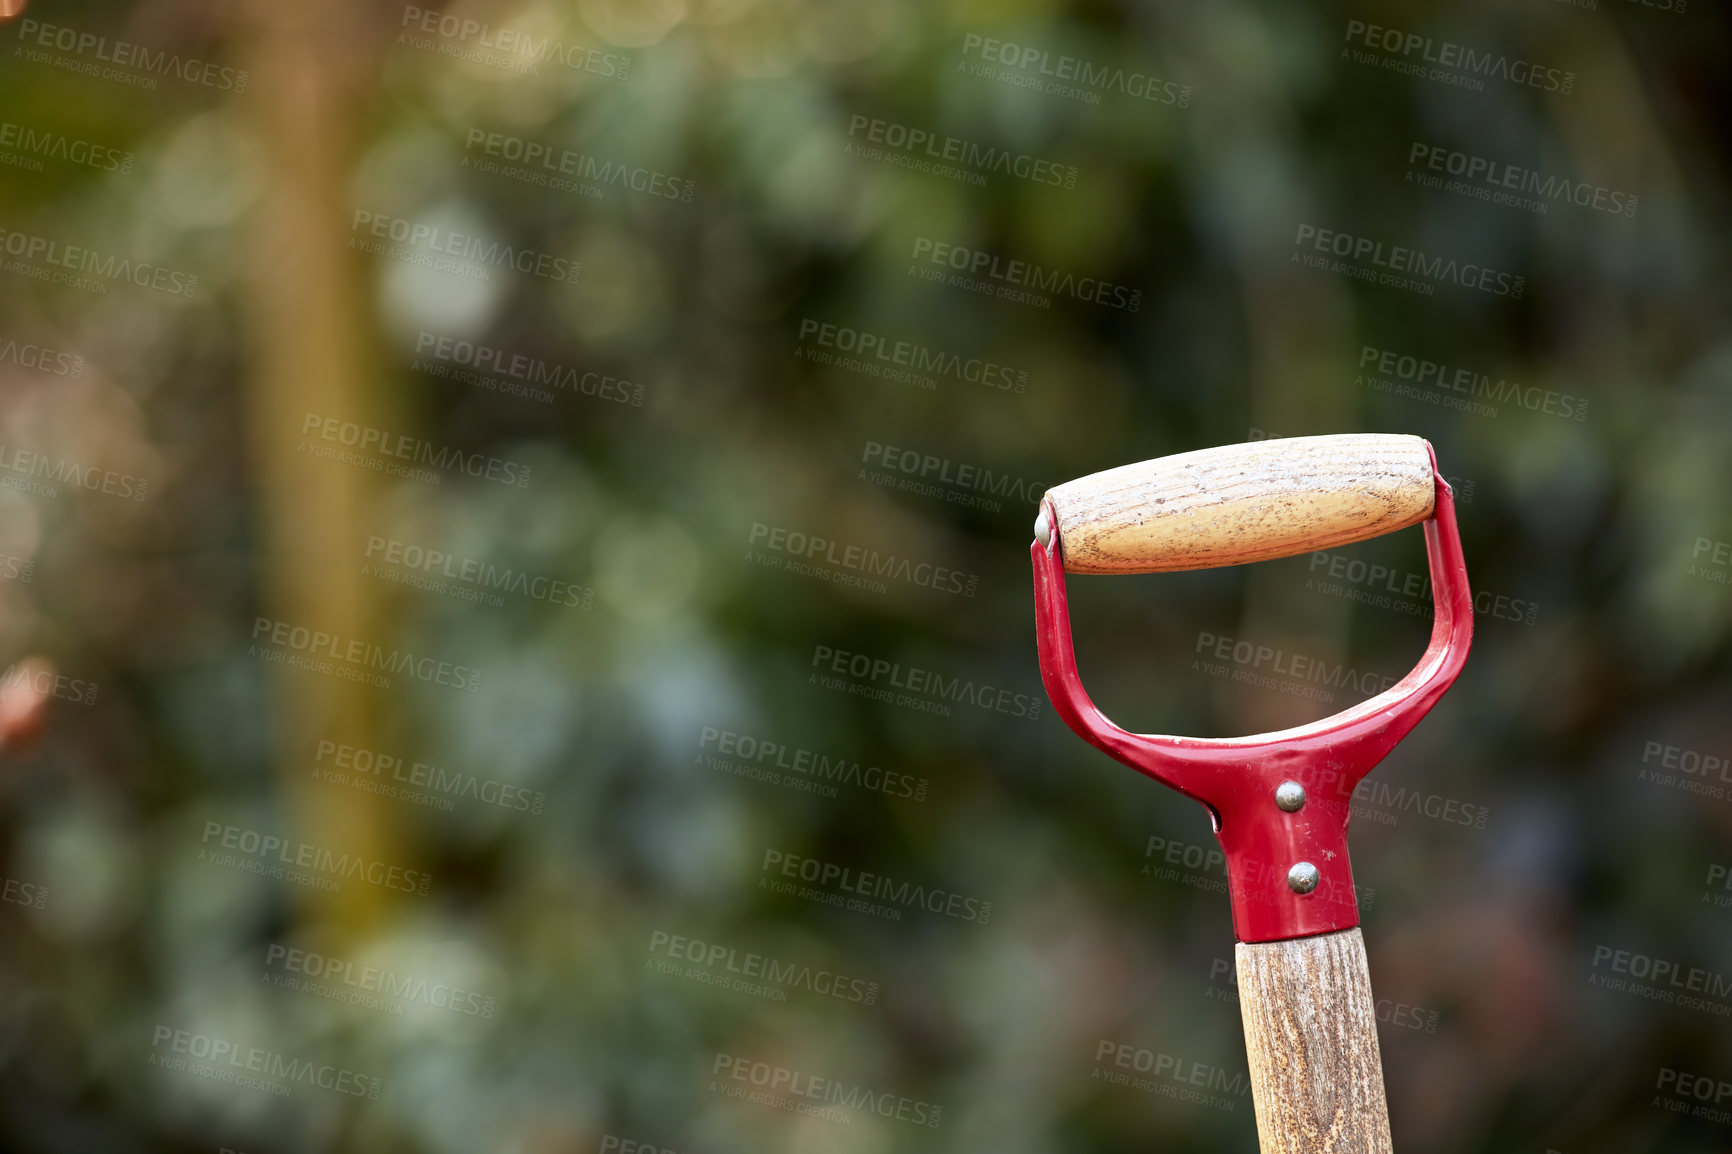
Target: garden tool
1278, 802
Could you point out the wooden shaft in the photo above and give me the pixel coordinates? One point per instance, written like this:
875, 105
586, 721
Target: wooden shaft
1311, 1036
1240, 503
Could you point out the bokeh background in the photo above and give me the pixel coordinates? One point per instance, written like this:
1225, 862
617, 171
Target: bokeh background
526, 891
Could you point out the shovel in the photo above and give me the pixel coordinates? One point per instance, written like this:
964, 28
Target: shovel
1278, 802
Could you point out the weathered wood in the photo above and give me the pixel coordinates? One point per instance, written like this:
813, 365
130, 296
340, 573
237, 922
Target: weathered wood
1239, 503
1311, 1036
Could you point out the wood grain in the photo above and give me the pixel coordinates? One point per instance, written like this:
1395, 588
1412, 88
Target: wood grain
1239, 503
1311, 1036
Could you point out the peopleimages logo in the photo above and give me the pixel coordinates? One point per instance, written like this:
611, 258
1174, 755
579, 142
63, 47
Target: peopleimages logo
1718, 568
49, 683
131, 63
1661, 980
892, 358
34, 145
1694, 771
1168, 1076
40, 358
925, 690
1508, 184
814, 771
301, 647
1015, 280
371, 987
401, 447
515, 49
22, 893
502, 371
272, 853
829, 878
817, 556
561, 169
956, 483
716, 964
224, 1060
1271, 668
86, 269
392, 775
1447, 61
1454, 386
1719, 877
1224, 987
1386, 587
1068, 76
1695, 1095
446, 250
467, 578
801, 1093
1396, 265
923, 150
46, 474
1170, 859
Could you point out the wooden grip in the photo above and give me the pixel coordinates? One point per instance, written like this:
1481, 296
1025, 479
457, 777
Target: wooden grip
1239, 503
1311, 1036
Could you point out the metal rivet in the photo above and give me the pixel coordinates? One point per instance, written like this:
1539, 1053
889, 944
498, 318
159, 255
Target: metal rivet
1290, 796
1303, 878
1042, 530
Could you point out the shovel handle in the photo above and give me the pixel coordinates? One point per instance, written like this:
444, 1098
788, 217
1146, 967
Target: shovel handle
1311, 1037
1239, 503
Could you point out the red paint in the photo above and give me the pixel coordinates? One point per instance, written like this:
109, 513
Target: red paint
1236, 777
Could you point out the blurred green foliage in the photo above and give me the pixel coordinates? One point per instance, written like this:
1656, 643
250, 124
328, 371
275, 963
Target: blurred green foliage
696, 406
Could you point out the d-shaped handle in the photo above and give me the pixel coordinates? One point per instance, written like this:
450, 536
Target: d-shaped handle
1279, 799
1236, 777
1240, 503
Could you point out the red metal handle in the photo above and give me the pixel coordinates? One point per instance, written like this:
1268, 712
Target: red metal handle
1236, 777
